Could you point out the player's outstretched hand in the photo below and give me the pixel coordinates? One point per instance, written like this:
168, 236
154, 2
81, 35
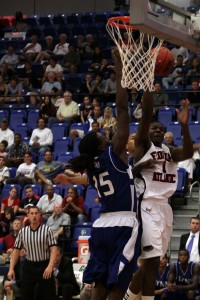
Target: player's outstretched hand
117, 68
183, 115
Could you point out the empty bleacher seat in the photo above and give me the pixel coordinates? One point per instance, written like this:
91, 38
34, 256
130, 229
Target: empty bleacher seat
22, 129
133, 127
182, 184
12, 171
65, 157
175, 128
90, 196
94, 214
194, 128
165, 115
59, 131
62, 145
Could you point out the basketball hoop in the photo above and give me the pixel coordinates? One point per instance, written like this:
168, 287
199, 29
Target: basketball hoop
138, 62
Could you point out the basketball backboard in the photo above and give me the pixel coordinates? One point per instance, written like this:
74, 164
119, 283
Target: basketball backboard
167, 21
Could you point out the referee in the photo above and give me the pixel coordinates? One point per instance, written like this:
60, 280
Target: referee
41, 250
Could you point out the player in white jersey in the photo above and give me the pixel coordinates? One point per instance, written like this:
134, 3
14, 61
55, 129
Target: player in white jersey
155, 185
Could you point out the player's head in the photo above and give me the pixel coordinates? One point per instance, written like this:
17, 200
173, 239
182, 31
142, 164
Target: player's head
92, 145
183, 256
163, 261
156, 133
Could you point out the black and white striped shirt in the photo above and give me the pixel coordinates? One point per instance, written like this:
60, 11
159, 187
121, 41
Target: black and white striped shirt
36, 243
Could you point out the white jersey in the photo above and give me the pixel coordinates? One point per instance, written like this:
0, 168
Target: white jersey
160, 182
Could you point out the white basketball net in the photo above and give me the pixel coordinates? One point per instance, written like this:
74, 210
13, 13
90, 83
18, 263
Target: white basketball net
138, 62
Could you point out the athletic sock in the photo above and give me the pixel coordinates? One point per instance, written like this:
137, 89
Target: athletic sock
129, 295
147, 297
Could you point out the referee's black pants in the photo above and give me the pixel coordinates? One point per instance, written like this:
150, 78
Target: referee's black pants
33, 286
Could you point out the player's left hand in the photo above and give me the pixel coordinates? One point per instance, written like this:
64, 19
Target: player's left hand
183, 115
47, 272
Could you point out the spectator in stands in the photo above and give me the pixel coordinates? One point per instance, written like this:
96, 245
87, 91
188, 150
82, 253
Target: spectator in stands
96, 59
189, 164
47, 49
96, 115
110, 87
68, 111
62, 47
34, 100
10, 238
98, 84
16, 152
73, 205
25, 172
41, 138
86, 87
6, 221
3, 90
55, 68
20, 22
85, 109
14, 91
169, 139
29, 78
47, 202
32, 49
6, 72
11, 202
47, 169
3, 146
194, 227
137, 113
72, 58
5, 133
30, 198
47, 109
178, 50
161, 278
177, 75
87, 48
11, 288
194, 95
58, 219
51, 87
193, 72
64, 276
183, 278
4, 173
10, 58
108, 123
160, 98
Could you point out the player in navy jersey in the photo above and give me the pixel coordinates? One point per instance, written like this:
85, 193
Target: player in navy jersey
114, 241
154, 185
162, 278
183, 278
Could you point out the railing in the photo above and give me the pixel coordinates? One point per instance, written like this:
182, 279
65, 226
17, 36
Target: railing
191, 191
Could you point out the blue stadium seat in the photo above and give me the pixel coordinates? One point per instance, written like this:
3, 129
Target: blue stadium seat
133, 127
75, 148
12, 171
65, 157
80, 126
194, 128
58, 20
175, 128
22, 129
95, 212
61, 145
181, 189
33, 115
59, 131
198, 115
90, 196
17, 117
165, 115
4, 114
178, 141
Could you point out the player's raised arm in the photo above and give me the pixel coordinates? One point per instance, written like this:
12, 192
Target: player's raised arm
142, 140
186, 151
121, 136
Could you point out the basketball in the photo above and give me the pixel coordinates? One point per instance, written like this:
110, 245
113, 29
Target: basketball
164, 62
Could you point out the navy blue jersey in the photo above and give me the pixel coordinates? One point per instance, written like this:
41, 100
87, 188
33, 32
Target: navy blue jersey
184, 277
161, 278
113, 180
